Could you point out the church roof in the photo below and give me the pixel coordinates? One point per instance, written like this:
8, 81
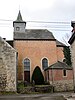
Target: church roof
34, 34
59, 44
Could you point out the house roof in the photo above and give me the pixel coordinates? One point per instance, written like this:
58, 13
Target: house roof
59, 65
72, 38
3, 41
34, 34
59, 44
10, 42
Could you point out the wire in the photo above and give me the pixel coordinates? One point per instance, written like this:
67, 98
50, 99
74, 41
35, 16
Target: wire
5, 20
49, 22
60, 30
40, 21
51, 26
55, 26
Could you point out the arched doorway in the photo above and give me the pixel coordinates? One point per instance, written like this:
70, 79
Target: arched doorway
27, 70
37, 76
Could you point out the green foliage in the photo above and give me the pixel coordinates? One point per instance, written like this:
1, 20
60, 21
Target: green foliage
7, 93
20, 84
67, 55
37, 76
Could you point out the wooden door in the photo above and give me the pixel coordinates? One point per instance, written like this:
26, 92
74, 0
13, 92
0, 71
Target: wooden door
27, 76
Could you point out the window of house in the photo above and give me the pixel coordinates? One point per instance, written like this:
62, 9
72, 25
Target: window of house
64, 60
17, 28
48, 75
64, 72
44, 63
26, 64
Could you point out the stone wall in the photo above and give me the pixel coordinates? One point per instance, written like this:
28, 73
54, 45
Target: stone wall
7, 67
36, 89
73, 58
63, 85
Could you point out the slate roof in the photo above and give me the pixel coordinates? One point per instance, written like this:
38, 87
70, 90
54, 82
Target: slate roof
72, 38
10, 42
59, 44
34, 34
19, 19
59, 65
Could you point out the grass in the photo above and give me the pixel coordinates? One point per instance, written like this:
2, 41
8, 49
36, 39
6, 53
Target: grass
7, 93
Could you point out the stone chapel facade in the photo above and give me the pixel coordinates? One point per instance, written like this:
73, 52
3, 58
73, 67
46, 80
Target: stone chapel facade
35, 47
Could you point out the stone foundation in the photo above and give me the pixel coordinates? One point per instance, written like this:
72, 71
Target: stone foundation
63, 85
3, 80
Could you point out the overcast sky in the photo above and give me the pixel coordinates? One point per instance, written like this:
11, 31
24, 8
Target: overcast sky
38, 10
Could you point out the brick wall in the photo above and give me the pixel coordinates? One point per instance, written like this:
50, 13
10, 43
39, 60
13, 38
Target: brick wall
35, 51
60, 54
59, 81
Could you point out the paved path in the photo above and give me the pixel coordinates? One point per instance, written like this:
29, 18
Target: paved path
49, 96
33, 97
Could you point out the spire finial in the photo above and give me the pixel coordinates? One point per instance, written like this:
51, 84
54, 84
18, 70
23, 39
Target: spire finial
19, 7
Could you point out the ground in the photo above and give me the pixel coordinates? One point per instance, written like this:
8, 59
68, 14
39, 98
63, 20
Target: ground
48, 96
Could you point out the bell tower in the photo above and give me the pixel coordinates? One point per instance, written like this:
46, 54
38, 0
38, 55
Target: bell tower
19, 25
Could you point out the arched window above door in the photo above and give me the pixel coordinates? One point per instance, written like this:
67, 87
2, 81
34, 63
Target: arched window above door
26, 64
44, 63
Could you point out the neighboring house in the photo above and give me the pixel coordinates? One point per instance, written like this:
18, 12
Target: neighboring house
35, 47
8, 71
60, 75
72, 43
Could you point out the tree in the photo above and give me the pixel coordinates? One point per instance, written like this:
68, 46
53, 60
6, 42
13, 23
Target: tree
37, 76
67, 55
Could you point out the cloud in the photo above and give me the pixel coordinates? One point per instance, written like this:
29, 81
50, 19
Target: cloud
40, 10
37, 4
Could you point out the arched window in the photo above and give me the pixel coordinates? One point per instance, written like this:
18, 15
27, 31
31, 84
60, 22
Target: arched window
44, 63
26, 64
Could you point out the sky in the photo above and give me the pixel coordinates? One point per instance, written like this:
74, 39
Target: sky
54, 15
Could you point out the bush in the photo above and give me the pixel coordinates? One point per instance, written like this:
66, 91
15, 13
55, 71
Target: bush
37, 76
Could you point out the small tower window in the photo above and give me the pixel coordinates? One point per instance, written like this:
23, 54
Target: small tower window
17, 28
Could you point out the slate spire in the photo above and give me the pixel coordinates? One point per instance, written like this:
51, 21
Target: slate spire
19, 20
19, 17
19, 25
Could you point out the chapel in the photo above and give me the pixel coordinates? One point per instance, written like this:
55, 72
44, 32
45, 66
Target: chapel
35, 47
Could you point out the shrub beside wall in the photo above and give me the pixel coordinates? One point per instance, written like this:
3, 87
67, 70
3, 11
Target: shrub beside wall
37, 76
